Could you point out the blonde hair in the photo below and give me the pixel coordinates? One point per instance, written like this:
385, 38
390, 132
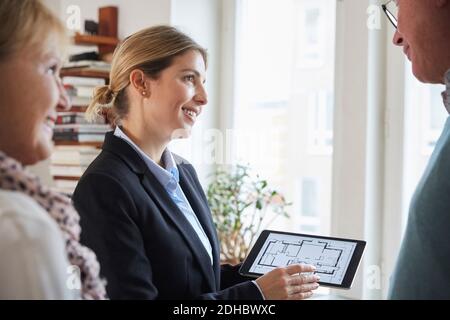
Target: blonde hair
26, 23
150, 50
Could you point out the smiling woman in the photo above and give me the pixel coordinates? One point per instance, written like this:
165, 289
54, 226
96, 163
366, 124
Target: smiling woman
33, 64
39, 229
143, 209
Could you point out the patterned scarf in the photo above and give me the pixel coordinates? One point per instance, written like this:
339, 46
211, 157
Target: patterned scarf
14, 177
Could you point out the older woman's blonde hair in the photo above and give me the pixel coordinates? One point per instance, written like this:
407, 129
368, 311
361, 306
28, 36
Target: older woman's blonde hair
150, 50
25, 23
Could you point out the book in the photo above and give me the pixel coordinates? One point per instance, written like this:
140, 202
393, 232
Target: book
77, 155
91, 55
76, 118
82, 128
71, 118
84, 81
65, 183
69, 171
87, 65
78, 137
80, 101
84, 91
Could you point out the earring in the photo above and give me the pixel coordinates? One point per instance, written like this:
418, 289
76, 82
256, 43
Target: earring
144, 93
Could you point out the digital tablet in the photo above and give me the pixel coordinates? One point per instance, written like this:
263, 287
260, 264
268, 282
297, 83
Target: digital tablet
336, 259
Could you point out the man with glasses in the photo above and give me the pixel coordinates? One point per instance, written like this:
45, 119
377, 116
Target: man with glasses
423, 266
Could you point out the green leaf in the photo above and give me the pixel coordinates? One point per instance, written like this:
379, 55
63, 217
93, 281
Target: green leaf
238, 201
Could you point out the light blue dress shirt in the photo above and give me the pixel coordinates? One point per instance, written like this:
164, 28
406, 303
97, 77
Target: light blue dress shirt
169, 179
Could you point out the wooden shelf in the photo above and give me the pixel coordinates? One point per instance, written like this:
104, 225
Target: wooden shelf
98, 145
85, 39
70, 178
78, 109
84, 72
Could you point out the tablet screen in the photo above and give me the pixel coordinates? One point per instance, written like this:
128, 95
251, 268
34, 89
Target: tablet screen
336, 260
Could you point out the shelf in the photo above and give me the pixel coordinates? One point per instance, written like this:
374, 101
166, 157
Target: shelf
106, 43
70, 178
85, 39
98, 145
84, 72
78, 108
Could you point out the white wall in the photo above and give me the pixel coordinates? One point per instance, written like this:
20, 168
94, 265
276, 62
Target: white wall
53, 5
201, 20
133, 14
350, 123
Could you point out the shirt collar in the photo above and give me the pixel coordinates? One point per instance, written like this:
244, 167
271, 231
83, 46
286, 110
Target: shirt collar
168, 176
446, 93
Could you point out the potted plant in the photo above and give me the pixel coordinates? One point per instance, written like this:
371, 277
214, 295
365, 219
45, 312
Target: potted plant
242, 205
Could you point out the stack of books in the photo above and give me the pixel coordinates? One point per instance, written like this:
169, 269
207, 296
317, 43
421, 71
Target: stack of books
81, 89
72, 128
77, 142
68, 164
92, 65
80, 133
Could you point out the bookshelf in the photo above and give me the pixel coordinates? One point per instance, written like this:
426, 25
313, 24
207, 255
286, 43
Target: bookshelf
94, 144
105, 44
77, 142
84, 72
82, 39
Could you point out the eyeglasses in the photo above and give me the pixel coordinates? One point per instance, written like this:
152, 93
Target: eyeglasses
392, 4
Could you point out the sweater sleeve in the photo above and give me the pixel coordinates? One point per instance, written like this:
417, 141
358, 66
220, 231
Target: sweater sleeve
33, 262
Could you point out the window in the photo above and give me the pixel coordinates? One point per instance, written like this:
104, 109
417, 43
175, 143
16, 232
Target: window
311, 34
308, 205
433, 119
425, 118
283, 112
320, 123
309, 199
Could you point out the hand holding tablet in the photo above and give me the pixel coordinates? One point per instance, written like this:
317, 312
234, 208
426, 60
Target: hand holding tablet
336, 259
295, 284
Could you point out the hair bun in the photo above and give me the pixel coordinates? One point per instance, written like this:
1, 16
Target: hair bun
104, 95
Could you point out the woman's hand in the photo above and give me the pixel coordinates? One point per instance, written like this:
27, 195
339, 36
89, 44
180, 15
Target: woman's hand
289, 283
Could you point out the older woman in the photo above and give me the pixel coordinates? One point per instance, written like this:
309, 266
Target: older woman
39, 229
143, 209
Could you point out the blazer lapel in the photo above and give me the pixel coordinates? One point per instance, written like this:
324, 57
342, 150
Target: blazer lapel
160, 196
201, 209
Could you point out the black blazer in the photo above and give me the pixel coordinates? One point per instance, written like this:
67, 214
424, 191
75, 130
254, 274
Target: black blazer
146, 247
